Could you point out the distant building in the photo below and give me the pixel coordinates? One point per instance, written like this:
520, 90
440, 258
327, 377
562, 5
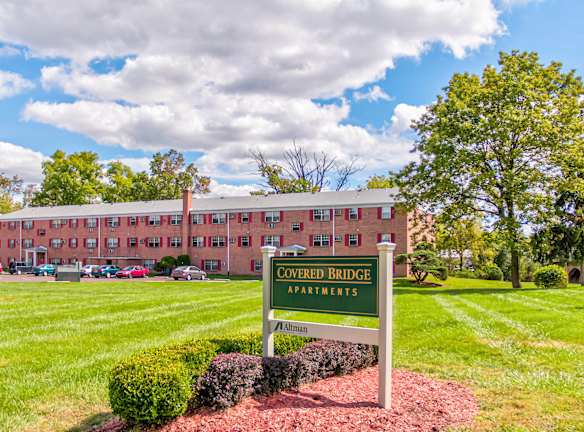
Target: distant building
222, 235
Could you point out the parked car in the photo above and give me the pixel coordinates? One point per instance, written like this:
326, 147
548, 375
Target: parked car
19, 267
107, 271
44, 269
188, 273
86, 270
132, 272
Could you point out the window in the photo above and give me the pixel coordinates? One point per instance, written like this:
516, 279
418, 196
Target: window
218, 241
175, 242
211, 265
321, 240
198, 219
385, 237
27, 225
113, 222
73, 243
272, 216
257, 265
73, 223
321, 215
41, 232
27, 243
154, 221
11, 243
56, 223
218, 218
272, 241
353, 240
244, 241
176, 219
132, 221
91, 222
353, 213
149, 264
338, 212
56, 261
73, 260
153, 241
338, 238
245, 217
55, 243
385, 212
198, 242
90, 243
132, 242
296, 226
112, 242
12, 225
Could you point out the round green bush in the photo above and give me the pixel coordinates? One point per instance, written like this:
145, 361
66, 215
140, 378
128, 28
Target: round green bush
493, 272
465, 274
552, 276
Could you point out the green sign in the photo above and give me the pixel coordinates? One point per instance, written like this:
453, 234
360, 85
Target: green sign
341, 285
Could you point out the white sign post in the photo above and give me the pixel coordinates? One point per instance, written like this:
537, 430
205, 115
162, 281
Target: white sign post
381, 337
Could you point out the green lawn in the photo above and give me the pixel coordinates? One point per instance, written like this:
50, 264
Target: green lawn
521, 352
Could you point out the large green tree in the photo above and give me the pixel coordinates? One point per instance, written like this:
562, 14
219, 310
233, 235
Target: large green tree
9, 188
496, 146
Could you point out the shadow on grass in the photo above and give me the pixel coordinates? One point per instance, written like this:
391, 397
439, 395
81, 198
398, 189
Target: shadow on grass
405, 286
92, 423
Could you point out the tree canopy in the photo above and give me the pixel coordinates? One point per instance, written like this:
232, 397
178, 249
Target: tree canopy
499, 146
9, 188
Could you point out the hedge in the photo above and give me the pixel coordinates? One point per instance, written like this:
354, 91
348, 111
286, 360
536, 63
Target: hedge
552, 276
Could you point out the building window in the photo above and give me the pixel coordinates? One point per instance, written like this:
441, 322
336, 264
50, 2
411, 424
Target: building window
176, 219
198, 219
132, 221
296, 226
245, 217
113, 222
73, 223
218, 218
149, 264
257, 265
12, 225
198, 242
11, 243
338, 238
385, 212
154, 221
244, 241
353, 213
112, 242
211, 265
56, 223
175, 242
90, 243
55, 243
27, 225
385, 237
73, 243
153, 242
91, 222
27, 243
272, 241
353, 239
218, 241
321, 215
321, 240
132, 242
41, 232
272, 216
55, 261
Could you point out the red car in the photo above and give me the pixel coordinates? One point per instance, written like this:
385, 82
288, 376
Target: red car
132, 272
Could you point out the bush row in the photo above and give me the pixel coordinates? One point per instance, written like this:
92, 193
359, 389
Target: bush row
232, 377
157, 384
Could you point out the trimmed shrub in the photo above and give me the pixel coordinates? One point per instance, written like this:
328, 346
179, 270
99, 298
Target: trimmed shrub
493, 272
182, 260
229, 379
465, 274
149, 389
251, 343
552, 276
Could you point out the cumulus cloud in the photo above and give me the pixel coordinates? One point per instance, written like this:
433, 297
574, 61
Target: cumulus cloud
373, 94
21, 161
12, 84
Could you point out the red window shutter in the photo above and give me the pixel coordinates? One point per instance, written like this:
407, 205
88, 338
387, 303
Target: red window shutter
263, 241
378, 238
32, 242
331, 239
281, 216
392, 213
239, 218
168, 219
147, 220
311, 215
281, 241
168, 241
249, 217
347, 214
359, 213
105, 243
252, 265
128, 242
379, 213
239, 238
210, 242
210, 218
249, 243
146, 242
33, 224
129, 220
38, 232
84, 242
346, 239
332, 215
311, 241
301, 226
263, 217
392, 237
202, 264
358, 239
85, 223
219, 265
204, 241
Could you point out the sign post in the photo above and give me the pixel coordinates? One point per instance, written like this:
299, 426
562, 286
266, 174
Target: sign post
357, 285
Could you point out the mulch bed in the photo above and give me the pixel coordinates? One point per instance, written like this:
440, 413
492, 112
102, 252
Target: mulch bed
346, 403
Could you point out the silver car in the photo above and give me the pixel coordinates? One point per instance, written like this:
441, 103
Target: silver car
86, 270
188, 273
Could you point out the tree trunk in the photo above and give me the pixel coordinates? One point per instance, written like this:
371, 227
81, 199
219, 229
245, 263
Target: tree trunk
515, 266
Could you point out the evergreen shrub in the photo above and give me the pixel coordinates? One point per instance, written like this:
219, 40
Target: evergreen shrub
552, 276
493, 272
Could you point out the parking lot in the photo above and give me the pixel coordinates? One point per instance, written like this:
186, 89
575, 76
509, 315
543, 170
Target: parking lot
6, 277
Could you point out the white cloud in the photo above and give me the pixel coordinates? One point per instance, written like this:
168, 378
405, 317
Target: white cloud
372, 95
8, 51
12, 84
226, 190
21, 161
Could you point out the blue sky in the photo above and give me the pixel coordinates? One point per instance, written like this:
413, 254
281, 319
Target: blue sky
215, 80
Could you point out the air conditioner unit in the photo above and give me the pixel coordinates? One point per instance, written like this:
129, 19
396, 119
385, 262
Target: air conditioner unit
271, 225
231, 215
141, 241
112, 250
63, 221
90, 250
63, 241
338, 212
90, 230
142, 219
337, 238
17, 241
112, 229
231, 239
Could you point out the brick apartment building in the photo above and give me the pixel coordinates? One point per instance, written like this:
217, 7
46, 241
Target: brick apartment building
222, 235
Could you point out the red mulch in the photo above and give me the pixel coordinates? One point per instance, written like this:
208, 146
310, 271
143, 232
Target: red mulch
346, 403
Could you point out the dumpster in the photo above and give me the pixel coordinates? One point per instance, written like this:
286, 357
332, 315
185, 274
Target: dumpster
67, 273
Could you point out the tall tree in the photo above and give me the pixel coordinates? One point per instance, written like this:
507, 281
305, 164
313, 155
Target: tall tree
119, 183
302, 172
494, 146
9, 188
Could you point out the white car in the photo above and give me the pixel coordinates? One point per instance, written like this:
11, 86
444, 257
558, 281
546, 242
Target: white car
86, 270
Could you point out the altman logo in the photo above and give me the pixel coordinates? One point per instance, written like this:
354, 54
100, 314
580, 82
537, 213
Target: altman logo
289, 328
